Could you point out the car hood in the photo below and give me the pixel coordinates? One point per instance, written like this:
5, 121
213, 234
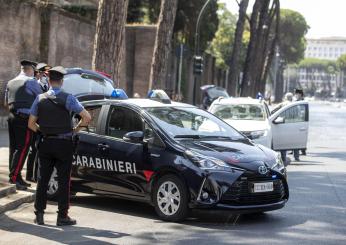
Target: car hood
241, 153
248, 125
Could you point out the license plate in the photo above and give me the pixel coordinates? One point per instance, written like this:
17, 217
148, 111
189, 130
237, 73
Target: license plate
263, 187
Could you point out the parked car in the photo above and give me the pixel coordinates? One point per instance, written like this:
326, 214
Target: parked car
286, 129
211, 93
89, 85
175, 157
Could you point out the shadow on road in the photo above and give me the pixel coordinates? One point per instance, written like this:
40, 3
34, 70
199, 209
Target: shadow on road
64, 234
339, 155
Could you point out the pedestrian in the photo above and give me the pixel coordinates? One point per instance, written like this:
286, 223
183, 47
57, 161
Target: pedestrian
51, 116
298, 96
42, 75
32, 165
19, 95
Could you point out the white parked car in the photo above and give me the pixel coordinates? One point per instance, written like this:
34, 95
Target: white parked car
286, 129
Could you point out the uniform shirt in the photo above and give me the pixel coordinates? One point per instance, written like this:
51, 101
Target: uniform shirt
31, 86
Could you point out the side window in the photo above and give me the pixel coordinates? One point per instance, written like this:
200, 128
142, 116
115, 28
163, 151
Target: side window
151, 137
94, 113
122, 121
294, 114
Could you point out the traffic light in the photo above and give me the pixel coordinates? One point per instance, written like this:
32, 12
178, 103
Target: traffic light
197, 65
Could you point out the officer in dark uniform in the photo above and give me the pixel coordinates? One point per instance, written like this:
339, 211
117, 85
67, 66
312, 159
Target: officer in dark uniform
19, 96
31, 165
52, 110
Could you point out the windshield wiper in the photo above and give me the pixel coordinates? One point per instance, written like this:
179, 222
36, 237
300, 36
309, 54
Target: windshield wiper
188, 136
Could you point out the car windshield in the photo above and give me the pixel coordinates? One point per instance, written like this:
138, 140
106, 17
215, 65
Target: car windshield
239, 112
78, 84
190, 122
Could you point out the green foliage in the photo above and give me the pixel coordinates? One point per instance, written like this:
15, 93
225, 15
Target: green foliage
341, 62
293, 28
221, 46
185, 21
136, 11
328, 66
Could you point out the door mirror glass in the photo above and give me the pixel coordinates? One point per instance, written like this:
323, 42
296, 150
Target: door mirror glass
279, 120
134, 137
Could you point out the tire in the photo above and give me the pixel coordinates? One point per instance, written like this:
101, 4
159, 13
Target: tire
53, 187
176, 208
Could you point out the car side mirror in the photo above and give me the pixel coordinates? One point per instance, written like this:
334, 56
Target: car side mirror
134, 137
279, 120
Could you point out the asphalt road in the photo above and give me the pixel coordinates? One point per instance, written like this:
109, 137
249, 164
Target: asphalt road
315, 213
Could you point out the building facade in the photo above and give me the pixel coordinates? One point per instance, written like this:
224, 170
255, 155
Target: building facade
330, 48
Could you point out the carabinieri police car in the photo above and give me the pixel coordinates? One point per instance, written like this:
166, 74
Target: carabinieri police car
176, 157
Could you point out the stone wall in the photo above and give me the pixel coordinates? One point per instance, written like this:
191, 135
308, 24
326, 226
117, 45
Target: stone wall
50, 34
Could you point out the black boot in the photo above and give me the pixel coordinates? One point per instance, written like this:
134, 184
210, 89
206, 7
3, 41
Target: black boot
65, 220
22, 182
19, 186
39, 218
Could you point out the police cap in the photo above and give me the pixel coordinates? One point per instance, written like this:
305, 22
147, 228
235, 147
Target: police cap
57, 73
28, 63
43, 67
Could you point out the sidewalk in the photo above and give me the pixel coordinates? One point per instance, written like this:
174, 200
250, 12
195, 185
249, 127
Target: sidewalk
12, 199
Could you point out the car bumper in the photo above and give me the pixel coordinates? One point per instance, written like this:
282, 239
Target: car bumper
233, 191
244, 209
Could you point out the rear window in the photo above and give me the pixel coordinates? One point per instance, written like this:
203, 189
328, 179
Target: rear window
79, 84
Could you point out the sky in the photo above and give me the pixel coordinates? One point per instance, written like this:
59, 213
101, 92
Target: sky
326, 18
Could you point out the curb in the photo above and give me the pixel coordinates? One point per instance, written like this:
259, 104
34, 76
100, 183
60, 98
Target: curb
12, 201
7, 190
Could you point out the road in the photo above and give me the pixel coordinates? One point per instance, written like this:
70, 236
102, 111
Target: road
315, 213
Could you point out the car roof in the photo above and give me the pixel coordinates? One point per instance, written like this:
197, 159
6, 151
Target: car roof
142, 103
81, 70
237, 101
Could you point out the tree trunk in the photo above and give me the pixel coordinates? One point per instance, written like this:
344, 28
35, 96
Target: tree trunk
162, 43
270, 43
235, 57
247, 81
109, 37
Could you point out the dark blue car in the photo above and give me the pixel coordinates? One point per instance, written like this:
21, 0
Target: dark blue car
175, 157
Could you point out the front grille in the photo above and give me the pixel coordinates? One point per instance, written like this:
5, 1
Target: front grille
241, 192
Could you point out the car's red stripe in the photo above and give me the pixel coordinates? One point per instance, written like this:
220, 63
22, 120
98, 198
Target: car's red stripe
148, 174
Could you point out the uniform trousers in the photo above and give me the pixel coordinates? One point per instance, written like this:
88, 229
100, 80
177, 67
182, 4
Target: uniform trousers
20, 137
31, 164
56, 153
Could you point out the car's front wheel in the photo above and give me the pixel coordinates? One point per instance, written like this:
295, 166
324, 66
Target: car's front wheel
171, 198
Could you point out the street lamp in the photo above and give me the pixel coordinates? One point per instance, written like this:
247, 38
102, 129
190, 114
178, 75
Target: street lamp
196, 52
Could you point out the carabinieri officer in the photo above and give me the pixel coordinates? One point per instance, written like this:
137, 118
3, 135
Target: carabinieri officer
52, 110
19, 96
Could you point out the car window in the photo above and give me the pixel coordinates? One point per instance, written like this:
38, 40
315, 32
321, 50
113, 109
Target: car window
239, 112
121, 121
294, 114
151, 137
77, 84
94, 113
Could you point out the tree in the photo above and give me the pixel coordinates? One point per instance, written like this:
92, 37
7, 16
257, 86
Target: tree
162, 42
234, 64
221, 45
109, 37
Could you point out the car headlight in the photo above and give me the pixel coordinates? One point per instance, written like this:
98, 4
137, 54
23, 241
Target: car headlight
208, 163
259, 133
278, 162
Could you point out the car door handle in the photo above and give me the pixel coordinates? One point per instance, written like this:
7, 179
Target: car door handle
302, 129
155, 155
103, 146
